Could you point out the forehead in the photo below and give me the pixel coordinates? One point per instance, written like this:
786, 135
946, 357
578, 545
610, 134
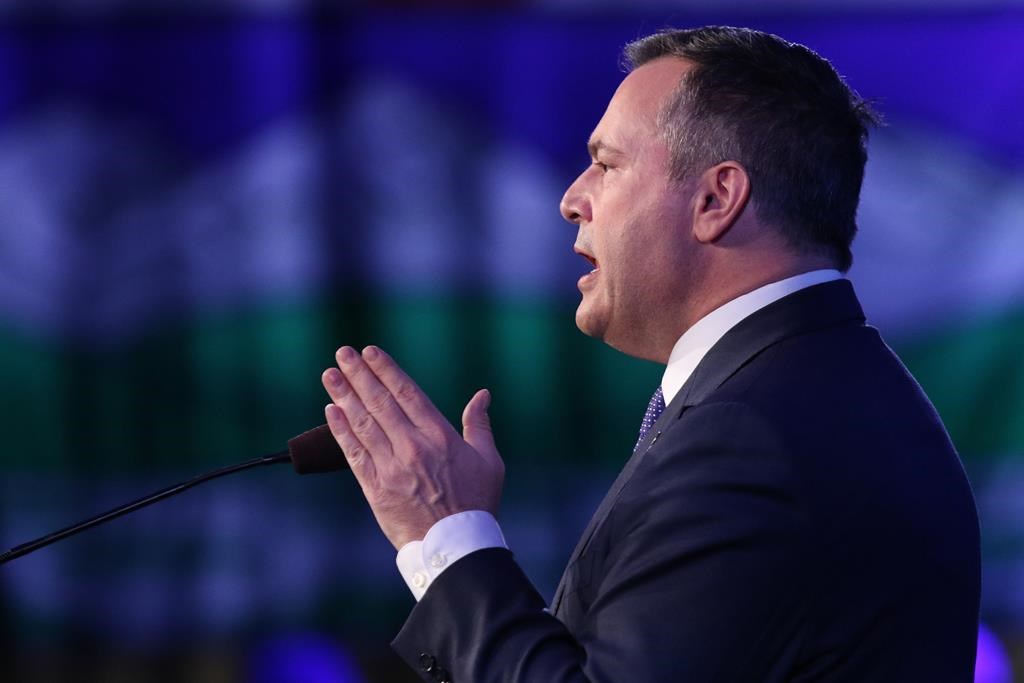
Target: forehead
633, 109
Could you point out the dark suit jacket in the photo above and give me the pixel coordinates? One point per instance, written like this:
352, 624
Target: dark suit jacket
798, 513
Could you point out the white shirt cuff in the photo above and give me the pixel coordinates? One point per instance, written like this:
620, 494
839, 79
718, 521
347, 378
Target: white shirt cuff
449, 540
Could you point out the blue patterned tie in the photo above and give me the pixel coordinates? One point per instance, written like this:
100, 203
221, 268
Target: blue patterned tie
655, 408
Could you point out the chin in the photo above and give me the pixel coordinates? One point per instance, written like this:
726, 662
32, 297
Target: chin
624, 341
589, 324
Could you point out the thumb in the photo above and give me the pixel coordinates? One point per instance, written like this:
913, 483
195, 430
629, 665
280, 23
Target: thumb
476, 423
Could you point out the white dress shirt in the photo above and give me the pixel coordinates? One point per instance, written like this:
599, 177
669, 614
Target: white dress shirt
455, 536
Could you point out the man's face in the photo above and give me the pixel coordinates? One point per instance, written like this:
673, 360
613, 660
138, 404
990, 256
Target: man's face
633, 221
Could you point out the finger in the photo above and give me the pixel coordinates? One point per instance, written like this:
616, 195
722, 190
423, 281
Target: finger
410, 398
476, 423
378, 400
358, 457
360, 421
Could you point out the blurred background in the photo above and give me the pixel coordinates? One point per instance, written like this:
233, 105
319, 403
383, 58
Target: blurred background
200, 201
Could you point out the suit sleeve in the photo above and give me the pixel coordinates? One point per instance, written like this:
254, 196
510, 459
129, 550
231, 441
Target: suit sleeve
696, 575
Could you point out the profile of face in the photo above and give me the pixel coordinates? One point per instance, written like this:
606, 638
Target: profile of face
633, 220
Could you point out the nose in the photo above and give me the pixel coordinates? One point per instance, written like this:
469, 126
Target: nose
575, 205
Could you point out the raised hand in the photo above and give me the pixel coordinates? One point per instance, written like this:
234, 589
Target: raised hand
412, 465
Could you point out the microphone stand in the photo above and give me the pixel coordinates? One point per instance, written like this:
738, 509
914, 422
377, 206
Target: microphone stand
31, 546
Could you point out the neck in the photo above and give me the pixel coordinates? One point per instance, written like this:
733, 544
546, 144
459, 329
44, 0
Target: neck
721, 288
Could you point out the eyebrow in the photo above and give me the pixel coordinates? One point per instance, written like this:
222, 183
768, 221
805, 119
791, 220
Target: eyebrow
596, 145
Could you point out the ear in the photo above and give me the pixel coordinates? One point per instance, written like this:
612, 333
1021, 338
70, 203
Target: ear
722, 193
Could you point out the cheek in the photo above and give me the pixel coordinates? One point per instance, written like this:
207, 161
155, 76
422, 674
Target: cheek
650, 253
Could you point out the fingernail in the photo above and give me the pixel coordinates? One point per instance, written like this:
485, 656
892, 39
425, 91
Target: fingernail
347, 354
370, 353
334, 377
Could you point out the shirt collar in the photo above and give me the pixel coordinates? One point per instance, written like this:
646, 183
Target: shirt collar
705, 333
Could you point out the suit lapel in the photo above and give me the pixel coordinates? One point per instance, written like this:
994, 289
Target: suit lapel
807, 310
606, 504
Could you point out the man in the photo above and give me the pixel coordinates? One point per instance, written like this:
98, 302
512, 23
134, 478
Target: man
796, 512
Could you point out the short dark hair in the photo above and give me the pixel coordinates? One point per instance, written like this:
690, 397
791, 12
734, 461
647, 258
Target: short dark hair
783, 112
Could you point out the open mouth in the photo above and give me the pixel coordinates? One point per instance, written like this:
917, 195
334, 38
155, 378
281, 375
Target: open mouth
588, 280
590, 259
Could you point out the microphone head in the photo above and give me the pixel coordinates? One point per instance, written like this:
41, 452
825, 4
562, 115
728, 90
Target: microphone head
316, 451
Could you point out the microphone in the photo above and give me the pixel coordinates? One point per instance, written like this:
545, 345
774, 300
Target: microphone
312, 452
315, 451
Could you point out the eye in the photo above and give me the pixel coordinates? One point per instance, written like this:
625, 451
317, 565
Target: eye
601, 165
